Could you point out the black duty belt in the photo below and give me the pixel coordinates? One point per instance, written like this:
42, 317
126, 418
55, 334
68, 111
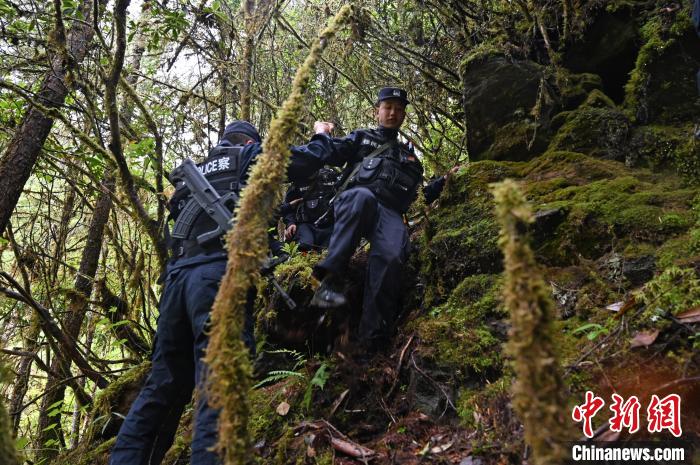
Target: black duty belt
190, 248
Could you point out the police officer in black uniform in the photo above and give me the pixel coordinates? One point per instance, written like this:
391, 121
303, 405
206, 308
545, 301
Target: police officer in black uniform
305, 211
383, 176
191, 282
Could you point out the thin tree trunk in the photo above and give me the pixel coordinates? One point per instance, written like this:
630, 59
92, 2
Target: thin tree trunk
249, 18
77, 309
21, 382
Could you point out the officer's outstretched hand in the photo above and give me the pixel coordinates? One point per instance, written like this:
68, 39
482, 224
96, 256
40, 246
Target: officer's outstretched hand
289, 232
452, 171
323, 127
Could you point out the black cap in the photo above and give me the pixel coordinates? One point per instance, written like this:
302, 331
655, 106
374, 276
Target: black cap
243, 127
385, 93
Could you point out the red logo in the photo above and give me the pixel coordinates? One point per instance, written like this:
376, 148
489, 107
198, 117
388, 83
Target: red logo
665, 414
625, 414
662, 414
586, 411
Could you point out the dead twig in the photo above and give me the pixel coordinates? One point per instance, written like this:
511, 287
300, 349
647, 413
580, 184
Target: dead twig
338, 440
437, 385
398, 366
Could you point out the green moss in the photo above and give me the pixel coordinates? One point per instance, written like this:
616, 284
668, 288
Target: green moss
677, 249
597, 99
105, 401
87, 455
673, 291
599, 131
294, 276
266, 423
517, 141
638, 249
473, 404
483, 52
575, 87
575, 167
661, 147
463, 226
605, 203
654, 91
457, 335
298, 268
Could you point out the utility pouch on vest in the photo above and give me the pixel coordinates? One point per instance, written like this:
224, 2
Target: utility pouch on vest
369, 170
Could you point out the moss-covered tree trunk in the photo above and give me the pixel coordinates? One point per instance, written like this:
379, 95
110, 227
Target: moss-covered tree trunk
8, 454
23, 150
227, 355
538, 389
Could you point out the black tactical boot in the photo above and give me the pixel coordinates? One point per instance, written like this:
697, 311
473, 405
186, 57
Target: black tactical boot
329, 293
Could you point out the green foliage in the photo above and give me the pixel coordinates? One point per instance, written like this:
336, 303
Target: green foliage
592, 330
317, 381
654, 91
279, 375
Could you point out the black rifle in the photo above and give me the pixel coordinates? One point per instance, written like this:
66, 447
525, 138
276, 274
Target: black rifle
267, 271
204, 199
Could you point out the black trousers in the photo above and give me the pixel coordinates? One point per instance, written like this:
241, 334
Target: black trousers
180, 344
311, 237
358, 214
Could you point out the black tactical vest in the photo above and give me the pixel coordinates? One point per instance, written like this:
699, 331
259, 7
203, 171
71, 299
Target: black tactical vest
222, 168
392, 175
316, 197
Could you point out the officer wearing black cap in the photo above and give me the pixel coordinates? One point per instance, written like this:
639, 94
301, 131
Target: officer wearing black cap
191, 282
381, 180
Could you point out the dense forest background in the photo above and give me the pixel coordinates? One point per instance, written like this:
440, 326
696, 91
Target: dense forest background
591, 105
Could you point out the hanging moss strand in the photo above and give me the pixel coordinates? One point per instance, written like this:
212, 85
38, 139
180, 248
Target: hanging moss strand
8, 454
537, 397
227, 356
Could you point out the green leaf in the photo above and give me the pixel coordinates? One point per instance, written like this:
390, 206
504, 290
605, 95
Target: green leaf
21, 442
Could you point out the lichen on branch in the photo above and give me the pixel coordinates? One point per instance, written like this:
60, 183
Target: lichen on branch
537, 391
227, 356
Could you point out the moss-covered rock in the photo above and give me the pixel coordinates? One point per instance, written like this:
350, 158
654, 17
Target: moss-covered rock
462, 227
605, 204
595, 128
660, 147
497, 92
464, 334
662, 88
517, 141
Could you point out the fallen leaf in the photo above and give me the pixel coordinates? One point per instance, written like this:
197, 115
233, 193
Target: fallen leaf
441, 449
690, 316
644, 338
283, 408
616, 306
